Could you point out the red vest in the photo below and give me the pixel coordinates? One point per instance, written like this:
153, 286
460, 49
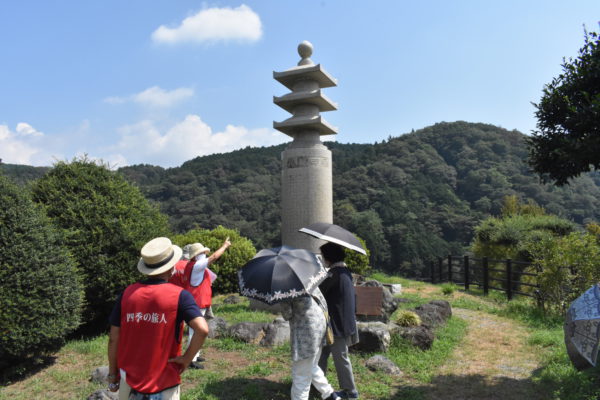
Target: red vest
147, 336
203, 292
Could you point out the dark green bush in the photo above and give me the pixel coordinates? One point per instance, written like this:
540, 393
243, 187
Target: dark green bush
40, 291
238, 254
356, 262
105, 221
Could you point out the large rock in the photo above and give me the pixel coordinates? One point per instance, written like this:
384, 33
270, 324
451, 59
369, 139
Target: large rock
248, 332
103, 395
232, 299
434, 313
445, 308
419, 336
269, 334
374, 337
383, 364
100, 375
217, 327
276, 333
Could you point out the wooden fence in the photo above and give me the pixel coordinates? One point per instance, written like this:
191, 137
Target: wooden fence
504, 275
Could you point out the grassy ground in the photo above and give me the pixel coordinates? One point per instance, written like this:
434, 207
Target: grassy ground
236, 370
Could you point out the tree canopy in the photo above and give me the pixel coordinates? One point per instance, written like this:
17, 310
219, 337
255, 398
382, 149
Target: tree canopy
41, 293
105, 221
567, 140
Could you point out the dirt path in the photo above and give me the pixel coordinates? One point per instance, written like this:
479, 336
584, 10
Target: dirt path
494, 362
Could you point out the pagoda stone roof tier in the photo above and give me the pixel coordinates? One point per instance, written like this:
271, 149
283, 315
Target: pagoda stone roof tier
313, 97
295, 125
305, 72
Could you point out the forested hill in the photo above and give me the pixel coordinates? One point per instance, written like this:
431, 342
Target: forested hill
410, 197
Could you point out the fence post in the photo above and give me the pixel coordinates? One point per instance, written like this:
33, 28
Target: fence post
450, 269
466, 262
509, 279
486, 276
440, 261
432, 271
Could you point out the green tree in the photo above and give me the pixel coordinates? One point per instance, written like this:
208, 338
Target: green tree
226, 268
105, 221
568, 265
40, 291
356, 262
567, 140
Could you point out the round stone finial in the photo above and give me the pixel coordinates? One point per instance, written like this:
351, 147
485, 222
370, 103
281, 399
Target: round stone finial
305, 50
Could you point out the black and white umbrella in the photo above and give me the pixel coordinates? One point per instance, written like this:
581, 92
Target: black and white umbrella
582, 329
335, 234
279, 274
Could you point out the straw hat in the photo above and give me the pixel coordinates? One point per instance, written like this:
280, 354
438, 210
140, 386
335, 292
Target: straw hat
196, 249
158, 255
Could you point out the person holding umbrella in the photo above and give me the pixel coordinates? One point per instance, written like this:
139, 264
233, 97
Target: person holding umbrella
339, 293
338, 290
290, 278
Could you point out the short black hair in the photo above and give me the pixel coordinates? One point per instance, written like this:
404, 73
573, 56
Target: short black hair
333, 252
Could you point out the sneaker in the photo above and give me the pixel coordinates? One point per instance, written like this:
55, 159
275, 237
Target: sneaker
334, 396
196, 365
343, 394
200, 359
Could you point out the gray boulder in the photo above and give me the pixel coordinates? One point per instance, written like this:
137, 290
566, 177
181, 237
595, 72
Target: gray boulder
103, 395
445, 308
374, 337
232, 299
276, 333
418, 336
217, 327
100, 375
248, 332
383, 364
434, 313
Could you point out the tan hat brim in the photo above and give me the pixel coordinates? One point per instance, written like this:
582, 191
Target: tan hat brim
177, 252
204, 250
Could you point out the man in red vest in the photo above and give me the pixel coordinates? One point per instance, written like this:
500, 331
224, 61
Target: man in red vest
144, 347
195, 277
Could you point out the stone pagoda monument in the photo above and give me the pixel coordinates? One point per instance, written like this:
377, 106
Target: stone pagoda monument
306, 179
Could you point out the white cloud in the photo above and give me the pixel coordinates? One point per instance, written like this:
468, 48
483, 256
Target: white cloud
25, 129
154, 97
145, 143
21, 146
213, 25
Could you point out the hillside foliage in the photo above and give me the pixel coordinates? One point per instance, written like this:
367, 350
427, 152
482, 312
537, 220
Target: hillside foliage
412, 197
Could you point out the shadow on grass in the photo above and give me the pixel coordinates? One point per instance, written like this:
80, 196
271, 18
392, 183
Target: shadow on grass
17, 372
247, 389
473, 387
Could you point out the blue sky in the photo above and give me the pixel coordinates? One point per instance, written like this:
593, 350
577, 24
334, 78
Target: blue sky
161, 82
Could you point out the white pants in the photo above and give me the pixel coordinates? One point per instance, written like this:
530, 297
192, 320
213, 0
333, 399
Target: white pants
191, 333
305, 372
173, 393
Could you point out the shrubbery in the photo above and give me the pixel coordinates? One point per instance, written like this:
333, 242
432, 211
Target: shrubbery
568, 266
40, 290
105, 221
238, 254
356, 262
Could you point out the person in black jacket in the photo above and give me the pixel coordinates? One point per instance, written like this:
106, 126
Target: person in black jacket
338, 290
